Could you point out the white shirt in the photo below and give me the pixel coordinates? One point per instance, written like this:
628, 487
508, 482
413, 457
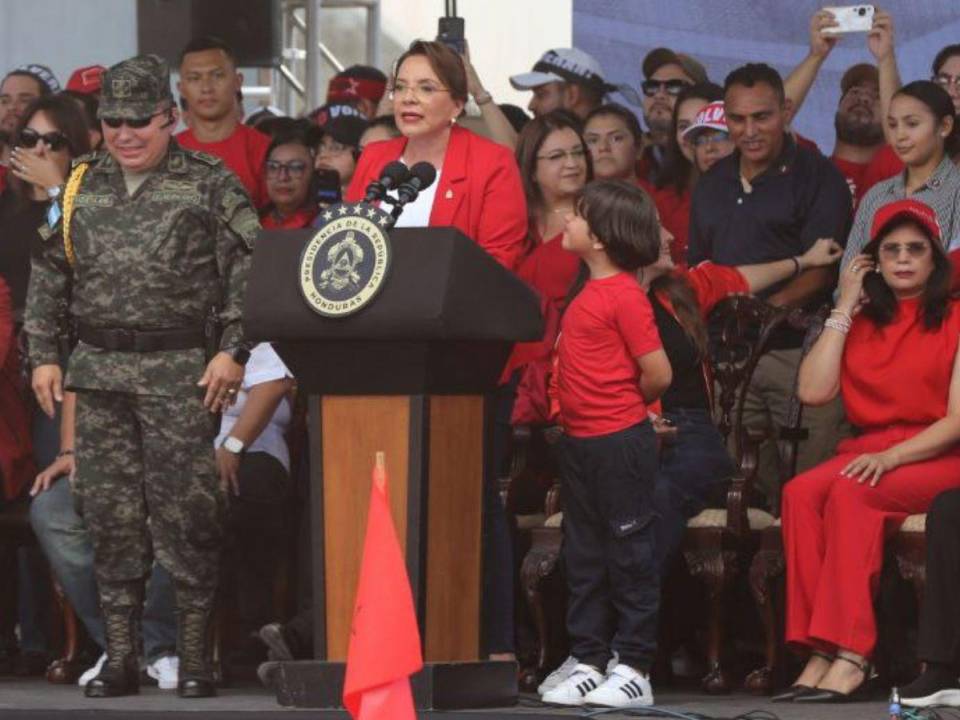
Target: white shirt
263, 366
417, 213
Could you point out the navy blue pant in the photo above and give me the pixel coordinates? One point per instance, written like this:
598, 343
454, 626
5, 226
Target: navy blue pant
608, 546
694, 469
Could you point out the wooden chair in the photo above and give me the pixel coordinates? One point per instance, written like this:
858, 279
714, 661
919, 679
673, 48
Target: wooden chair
766, 575
720, 540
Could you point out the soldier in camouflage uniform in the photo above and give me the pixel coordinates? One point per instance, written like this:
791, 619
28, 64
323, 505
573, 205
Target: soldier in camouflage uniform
157, 236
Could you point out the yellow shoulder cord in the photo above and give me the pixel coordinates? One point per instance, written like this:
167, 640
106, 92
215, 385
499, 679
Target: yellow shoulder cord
69, 194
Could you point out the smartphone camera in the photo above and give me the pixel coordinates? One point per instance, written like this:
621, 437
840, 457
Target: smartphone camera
861, 11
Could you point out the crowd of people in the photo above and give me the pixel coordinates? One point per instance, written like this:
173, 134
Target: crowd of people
156, 447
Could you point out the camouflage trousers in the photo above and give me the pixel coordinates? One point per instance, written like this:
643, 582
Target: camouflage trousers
146, 486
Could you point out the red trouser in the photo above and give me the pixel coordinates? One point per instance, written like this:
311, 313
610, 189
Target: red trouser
833, 533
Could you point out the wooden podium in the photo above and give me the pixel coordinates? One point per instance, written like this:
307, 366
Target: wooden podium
407, 375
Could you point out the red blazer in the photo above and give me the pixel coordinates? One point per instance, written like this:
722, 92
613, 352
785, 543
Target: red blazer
480, 192
16, 452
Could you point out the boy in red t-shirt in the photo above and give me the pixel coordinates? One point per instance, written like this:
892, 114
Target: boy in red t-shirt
611, 364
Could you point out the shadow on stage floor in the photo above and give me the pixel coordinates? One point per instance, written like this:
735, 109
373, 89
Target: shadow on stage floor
35, 699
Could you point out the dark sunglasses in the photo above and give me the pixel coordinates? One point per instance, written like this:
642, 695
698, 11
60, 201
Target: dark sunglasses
55, 140
133, 123
672, 87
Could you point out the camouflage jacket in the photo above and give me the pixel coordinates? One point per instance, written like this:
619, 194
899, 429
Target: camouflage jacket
158, 259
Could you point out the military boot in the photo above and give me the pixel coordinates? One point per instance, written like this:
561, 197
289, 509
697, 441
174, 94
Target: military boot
196, 676
120, 674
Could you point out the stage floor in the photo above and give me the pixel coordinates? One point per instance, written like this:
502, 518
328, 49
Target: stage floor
34, 699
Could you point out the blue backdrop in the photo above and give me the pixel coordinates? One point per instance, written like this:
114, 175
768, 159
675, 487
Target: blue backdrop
723, 35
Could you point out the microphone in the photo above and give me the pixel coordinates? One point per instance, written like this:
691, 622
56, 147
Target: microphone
421, 177
390, 177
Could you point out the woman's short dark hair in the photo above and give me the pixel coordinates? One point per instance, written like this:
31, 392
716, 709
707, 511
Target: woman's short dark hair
88, 104
882, 305
530, 141
447, 65
386, 121
945, 54
64, 114
624, 219
676, 169
297, 132
618, 110
939, 103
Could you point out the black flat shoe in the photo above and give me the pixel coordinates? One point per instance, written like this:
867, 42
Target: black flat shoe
196, 687
792, 693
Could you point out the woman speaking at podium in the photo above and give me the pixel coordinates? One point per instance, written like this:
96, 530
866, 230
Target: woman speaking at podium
478, 188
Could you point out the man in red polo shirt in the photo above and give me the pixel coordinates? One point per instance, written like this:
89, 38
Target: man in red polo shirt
209, 82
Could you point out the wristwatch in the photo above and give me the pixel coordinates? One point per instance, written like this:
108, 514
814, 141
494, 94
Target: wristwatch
233, 445
240, 354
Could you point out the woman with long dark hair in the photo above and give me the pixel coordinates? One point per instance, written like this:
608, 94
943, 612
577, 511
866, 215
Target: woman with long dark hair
51, 133
890, 348
925, 134
679, 175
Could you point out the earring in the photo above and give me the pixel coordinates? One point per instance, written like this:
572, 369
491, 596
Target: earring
453, 121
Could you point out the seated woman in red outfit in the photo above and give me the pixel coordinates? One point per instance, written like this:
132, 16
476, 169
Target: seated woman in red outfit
290, 180
478, 188
890, 348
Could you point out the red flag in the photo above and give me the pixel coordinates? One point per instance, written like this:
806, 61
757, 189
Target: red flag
384, 639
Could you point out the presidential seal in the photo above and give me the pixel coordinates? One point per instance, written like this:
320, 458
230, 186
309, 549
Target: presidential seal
346, 263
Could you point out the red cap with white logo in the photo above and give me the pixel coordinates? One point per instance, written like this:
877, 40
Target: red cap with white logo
712, 117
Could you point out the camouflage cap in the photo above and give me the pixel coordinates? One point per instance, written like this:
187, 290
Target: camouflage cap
135, 88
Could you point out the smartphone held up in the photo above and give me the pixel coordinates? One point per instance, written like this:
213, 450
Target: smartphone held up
850, 19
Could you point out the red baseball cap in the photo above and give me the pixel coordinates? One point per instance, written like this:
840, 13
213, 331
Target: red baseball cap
915, 210
86, 80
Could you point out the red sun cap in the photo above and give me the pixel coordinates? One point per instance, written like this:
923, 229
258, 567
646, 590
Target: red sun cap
86, 79
915, 210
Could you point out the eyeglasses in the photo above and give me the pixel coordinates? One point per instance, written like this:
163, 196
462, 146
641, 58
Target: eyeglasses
945, 81
333, 148
705, 139
421, 91
576, 154
914, 249
613, 139
294, 168
671, 87
132, 123
55, 140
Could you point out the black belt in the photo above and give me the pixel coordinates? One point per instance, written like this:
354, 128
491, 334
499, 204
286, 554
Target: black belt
129, 340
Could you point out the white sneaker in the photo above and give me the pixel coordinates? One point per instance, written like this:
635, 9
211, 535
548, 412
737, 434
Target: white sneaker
559, 675
92, 672
165, 671
623, 688
571, 690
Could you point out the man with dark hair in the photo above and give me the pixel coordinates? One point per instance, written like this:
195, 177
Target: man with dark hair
666, 73
858, 118
566, 78
209, 83
362, 86
770, 200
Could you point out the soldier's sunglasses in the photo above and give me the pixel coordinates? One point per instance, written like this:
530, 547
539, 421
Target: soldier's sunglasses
133, 123
55, 140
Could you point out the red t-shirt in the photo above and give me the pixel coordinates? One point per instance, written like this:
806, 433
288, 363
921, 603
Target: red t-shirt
3, 177
548, 268
607, 326
297, 221
854, 174
674, 212
899, 373
885, 165
244, 152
